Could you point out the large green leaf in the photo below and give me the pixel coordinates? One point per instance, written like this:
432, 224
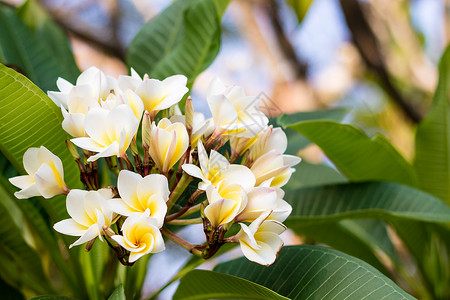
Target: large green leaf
433, 139
29, 118
37, 54
28, 266
363, 201
308, 174
310, 272
184, 39
357, 156
200, 284
118, 294
298, 141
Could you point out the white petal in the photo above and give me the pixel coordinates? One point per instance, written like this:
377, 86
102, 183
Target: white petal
111, 150
28, 192
22, 182
73, 124
121, 208
154, 184
193, 171
127, 184
88, 235
30, 160
47, 183
223, 110
236, 174
221, 212
215, 87
75, 207
88, 144
96, 125
70, 227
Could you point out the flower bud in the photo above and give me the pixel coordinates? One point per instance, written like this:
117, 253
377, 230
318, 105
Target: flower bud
146, 129
189, 113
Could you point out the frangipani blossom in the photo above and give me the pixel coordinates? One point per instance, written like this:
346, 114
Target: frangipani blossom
75, 100
216, 168
168, 143
270, 139
260, 241
110, 132
156, 94
225, 202
261, 199
275, 167
142, 194
128, 97
141, 236
89, 212
45, 175
233, 112
201, 126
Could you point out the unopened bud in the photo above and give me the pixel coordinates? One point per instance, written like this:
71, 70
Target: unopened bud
133, 147
189, 113
108, 231
72, 149
146, 76
146, 130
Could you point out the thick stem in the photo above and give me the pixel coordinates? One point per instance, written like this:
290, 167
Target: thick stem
188, 246
185, 221
188, 205
179, 189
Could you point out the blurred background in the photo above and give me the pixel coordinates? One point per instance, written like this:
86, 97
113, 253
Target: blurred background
378, 57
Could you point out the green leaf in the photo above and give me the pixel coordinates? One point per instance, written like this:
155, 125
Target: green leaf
183, 39
200, 284
300, 8
9, 292
432, 159
344, 238
37, 57
310, 272
307, 174
363, 200
357, 156
118, 294
29, 118
14, 248
298, 141
50, 297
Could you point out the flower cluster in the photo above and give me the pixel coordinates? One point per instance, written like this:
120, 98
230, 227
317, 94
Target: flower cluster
228, 169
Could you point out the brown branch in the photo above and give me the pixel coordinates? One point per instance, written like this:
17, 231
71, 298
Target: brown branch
367, 44
299, 67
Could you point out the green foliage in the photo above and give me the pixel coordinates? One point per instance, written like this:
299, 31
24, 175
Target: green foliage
184, 39
298, 141
433, 139
200, 284
118, 294
357, 156
303, 272
386, 200
300, 8
41, 53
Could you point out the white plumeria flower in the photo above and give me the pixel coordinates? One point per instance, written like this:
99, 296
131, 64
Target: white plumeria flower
155, 94
201, 127
89, 212
140, 236
168, 143
270, 139
260, 241
216, 168
45, 175
140, 194
129, 98
110, 132
274, 167
225, 202
261, 199
75, 100
233, 112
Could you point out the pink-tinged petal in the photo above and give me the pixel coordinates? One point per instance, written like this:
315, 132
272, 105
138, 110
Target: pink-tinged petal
48, 183
259, 200
28, 192
88, 235
193, 171
282, 178
30, 161
70, 227
111, 150
223, 110
22, 182
291, 160
170, 153
159, 145
75, 207
127, 184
